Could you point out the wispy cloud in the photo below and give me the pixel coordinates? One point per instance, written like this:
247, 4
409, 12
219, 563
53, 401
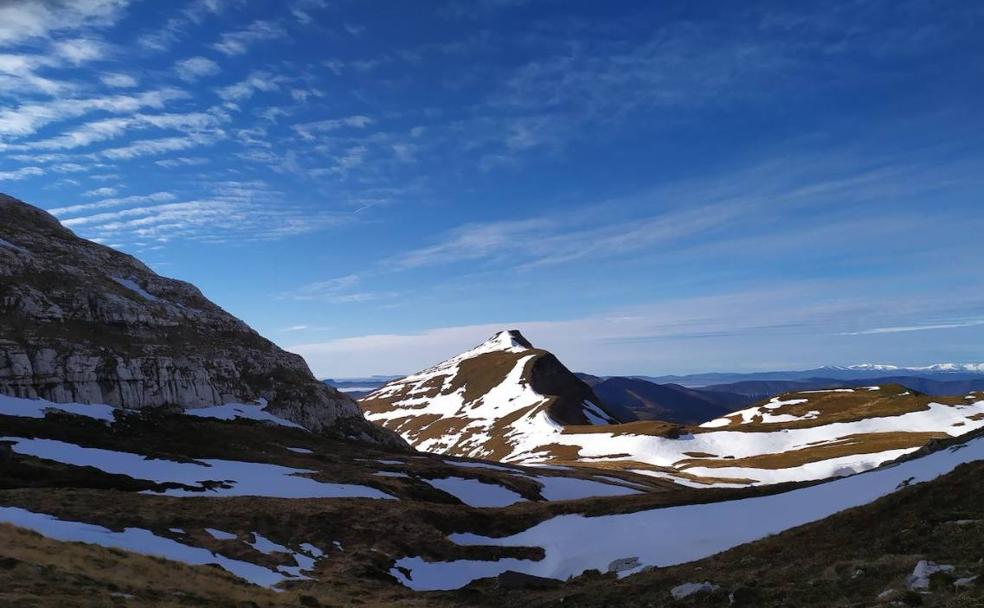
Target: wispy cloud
119, 81
80, 50
153, 147
182, 161
244, 89
309, 129
238, 42
22, 20
194, 68
164, 36
105, 191
547, 240
19, 174
27, 118
235, 212
744, 329
302, 9
138, 199
341, 290
910, 328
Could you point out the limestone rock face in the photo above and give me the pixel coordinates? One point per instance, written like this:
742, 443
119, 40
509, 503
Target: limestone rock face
81, 322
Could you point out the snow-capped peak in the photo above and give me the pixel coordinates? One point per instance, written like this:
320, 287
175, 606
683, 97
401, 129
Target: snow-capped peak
504, 341
936, 367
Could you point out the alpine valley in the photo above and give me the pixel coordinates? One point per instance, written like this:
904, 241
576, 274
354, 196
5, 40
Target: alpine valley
157, 451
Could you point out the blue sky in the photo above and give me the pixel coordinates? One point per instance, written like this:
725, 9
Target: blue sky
641, 187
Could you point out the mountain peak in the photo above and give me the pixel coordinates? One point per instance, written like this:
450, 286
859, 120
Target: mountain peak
508, 339
491, 401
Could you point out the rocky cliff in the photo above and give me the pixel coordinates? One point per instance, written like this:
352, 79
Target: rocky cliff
81, 322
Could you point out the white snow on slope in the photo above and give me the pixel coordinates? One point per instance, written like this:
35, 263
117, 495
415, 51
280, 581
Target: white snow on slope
508, 396
235, 478
135, 288
38, 408
232, 411
267, 546
761, 413
480, 465
572, 488
475, 493
220, 534
595, 415
666, 452
138, 541
674, 535
501, 342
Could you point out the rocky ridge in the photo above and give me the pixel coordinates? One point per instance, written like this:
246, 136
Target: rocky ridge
82, 322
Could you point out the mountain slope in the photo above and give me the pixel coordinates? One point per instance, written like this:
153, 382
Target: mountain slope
486, 402
761, 389
860, 557
233, 508
81, 322
271, 504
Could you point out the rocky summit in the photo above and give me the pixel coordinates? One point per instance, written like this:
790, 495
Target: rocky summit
495, 401
81, 322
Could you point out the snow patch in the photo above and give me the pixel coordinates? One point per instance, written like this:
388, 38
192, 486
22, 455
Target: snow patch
475, 493
39, 408
572, 488
208, 477
232, 411
220, 535
267, 546
595, 415
137, 540
135, 288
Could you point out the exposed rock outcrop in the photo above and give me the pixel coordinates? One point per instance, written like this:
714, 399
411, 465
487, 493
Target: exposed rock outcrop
81, 322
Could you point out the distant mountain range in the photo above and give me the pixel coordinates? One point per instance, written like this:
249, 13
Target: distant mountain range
637, 399
948, 371
632, 398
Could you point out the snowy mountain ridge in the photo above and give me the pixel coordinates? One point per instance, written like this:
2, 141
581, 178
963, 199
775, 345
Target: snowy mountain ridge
485, 402
936, 367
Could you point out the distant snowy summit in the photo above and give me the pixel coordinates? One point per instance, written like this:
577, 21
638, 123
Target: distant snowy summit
936, 367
